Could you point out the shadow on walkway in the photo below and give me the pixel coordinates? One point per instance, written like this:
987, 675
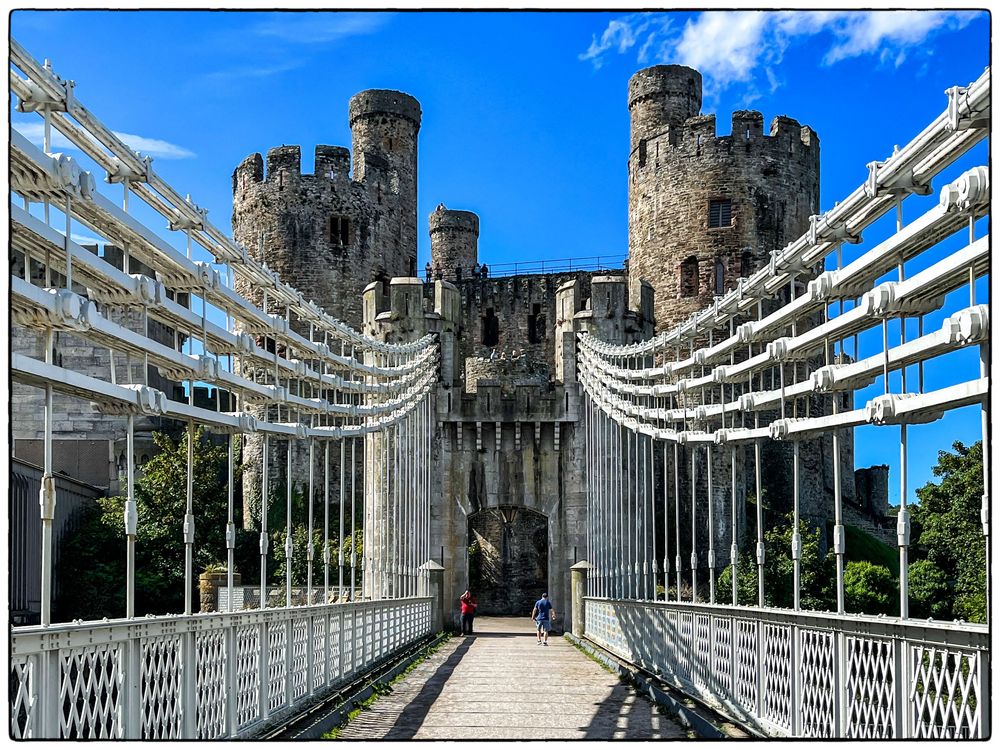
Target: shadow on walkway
412, 718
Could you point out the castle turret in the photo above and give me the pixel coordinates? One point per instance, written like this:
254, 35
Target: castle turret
454, 242
328, 234
661, 97
384, 127
315, 230
704, 209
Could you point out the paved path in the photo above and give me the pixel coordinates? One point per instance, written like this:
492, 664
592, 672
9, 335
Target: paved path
499, 684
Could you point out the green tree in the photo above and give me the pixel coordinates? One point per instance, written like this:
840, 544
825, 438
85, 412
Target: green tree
96, 552
816, 570
930, 594
948, 530
870, 589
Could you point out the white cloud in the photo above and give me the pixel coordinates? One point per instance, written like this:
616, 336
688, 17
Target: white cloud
319, 27
737, 46
725, 47
225, 77
888, 31
34, 131
619, 34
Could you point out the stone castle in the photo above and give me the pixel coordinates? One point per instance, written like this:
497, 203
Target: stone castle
704, 210
509, 520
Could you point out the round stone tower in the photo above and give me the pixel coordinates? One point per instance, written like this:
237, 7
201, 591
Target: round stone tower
705, 210
384, 127
313, 229
662, 96
329, 234
454, 242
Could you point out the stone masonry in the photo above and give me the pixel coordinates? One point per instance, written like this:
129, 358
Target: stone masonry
508, 468
330, 233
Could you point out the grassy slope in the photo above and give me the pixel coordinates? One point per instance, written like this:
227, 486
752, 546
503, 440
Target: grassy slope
863, 546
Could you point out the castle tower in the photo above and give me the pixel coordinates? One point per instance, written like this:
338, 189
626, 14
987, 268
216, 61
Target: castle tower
328, 234
384, 127
454, 242
705, 210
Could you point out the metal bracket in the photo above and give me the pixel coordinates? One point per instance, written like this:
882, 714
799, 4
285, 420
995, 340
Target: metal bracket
956, 119
131, 518
47, 498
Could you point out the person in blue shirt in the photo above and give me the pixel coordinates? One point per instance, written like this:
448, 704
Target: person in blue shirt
543, 614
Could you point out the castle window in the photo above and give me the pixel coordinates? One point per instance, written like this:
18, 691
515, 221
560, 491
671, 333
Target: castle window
720, 213
689, 277
746, 264
642, 152
720, 277
340, 231
491, 328
536, 325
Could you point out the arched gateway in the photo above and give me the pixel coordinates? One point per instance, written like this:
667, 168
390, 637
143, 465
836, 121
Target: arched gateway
508, 559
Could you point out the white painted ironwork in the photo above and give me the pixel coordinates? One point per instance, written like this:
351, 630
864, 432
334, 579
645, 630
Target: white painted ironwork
231, 673
944, 667
751, 368
94, 702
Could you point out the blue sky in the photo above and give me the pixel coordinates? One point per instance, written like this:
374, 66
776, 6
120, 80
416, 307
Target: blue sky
525, 119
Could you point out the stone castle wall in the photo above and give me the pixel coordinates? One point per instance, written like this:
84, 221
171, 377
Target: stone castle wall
330, 234
524, 311
678, 164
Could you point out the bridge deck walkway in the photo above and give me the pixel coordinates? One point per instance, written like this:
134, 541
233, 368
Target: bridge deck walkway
499, 684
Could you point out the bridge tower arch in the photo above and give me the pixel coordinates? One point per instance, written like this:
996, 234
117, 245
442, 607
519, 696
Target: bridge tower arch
508, 562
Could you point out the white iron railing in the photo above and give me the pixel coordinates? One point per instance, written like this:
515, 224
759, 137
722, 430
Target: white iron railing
777, 358
809, 674
207, 676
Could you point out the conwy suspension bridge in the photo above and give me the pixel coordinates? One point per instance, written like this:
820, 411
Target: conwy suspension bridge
774, 359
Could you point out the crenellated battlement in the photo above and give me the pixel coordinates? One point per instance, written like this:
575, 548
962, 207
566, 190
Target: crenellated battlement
699, 135
707, 208
284, 164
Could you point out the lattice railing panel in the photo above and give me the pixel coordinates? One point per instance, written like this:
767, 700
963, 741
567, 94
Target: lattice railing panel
320, 625
686, 651
871, 686
722, 655
746, 664
300, 651
161, 688
944, 693
212, 658
90, 692
22, 697
277, 666
776, 673
702, 659
817, 683
248, 675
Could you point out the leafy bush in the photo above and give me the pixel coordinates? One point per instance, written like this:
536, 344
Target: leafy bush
930, 594
870, 589
96, 552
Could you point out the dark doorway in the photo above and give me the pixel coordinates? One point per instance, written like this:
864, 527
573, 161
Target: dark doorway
508, 559
491, 328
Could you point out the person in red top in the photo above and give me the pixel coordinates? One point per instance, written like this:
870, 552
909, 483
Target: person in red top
468, 612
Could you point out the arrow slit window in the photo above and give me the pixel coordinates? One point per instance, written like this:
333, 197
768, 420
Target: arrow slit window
340, 231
